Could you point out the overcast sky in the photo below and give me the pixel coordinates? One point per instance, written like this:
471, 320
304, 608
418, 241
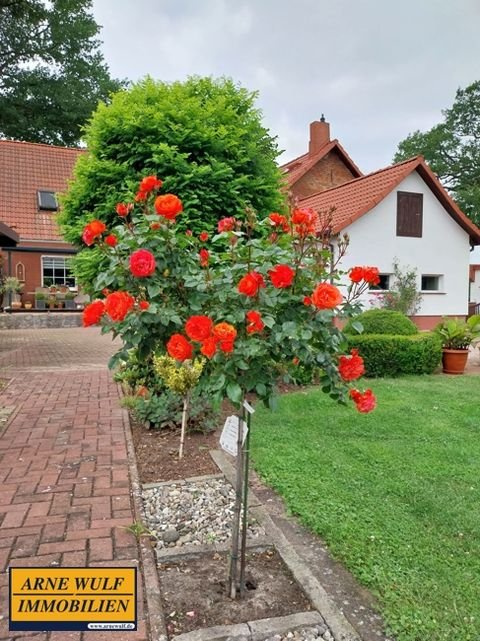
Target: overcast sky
377, 69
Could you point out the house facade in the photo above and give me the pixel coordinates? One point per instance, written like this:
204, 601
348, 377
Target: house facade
403, 214
31, 248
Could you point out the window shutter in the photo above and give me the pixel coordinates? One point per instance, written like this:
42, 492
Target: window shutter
409, 214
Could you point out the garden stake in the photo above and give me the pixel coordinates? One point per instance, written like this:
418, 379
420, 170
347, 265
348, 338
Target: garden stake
232, 580
246, 457
184, 425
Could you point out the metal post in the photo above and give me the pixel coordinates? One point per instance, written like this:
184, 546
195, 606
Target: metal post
246, 458
232, 579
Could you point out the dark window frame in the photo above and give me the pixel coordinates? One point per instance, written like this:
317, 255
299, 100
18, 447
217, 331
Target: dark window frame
47, 200
409, 214
438, 282
379, 288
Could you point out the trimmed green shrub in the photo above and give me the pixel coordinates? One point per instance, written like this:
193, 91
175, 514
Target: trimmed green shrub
382, 321
388, 355
164, 411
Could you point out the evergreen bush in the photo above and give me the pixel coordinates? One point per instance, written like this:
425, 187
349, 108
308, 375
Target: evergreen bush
382, 321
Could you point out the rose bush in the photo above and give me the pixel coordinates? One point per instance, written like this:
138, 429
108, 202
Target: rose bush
254, 301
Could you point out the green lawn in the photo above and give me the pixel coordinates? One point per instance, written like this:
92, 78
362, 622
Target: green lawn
395, 494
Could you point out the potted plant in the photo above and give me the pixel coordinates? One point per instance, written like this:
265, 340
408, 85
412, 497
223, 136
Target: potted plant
69, 300
28, 304
457, 335
40, 300
11, 288
52, 301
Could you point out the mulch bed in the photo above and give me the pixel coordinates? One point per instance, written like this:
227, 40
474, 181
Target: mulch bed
157, 454
194, 592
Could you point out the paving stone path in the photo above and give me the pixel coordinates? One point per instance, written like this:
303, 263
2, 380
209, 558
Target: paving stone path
64, 481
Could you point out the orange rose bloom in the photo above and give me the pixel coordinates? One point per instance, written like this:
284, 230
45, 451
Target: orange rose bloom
149, 183
179, 348
118, 304
198, 328
204, 257
351, 367
225, 332
365, 402
93, 313
281, 276
203, 236
209, 347
251, 283
356, 274
144, 305
168, 206
326, 296
254, 322
371, 275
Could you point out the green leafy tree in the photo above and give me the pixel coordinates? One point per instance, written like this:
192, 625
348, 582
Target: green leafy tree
203, 137
52, 73
452, 149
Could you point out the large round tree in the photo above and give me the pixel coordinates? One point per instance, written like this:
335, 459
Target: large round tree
203, 137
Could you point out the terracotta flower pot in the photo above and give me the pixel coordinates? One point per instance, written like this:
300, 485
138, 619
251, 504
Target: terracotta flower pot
454, 360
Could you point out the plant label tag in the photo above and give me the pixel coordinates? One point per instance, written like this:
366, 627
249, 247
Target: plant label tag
228, 438
248, 407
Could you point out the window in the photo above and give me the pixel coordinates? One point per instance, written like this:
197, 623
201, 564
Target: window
56, 271
384, 283
431, 283
47, 200
409, 214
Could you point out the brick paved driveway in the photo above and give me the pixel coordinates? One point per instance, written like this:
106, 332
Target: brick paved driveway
65, 491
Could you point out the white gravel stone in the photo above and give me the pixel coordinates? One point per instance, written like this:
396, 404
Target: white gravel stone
200, 512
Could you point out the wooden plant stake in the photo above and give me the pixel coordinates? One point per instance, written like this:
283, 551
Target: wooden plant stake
246, 459
184, 424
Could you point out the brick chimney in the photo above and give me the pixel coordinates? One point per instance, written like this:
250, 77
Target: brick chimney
319, 135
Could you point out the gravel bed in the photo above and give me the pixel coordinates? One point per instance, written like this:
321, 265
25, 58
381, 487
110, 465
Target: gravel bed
310, 633
194, 513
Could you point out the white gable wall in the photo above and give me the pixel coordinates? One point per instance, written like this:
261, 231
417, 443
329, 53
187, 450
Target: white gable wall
475, 288
444, 248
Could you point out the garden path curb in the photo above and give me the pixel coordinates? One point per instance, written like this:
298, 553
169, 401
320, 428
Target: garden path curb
341, 629
152, 592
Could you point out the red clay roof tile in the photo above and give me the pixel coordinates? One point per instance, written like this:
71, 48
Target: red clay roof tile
298, 167
26, 168
357, 197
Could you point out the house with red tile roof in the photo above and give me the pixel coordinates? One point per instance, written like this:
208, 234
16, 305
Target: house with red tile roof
403, 214
475, 286
31, 177
325, 165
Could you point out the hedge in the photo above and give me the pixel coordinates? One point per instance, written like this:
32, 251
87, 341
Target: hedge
382, 321
388, 355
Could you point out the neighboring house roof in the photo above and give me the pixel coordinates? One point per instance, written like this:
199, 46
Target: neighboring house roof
26, 168
7, 235
355, 198
298, 167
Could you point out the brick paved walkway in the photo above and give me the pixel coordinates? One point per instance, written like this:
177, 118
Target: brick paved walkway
64, 478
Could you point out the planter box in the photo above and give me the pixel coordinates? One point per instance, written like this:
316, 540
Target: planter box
70, 304
39, 304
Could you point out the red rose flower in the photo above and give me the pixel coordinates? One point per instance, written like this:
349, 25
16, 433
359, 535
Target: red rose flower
279, 221
305, 221
226, 224
250, 284
226, 346
189, 233
203, 236
179, 348
141, 196
351, 367
111, 240
123, 209
371, 275
224, 332
155, 226
149, 183
144, 305
118, 304
356, 274
92, 231
326, 296
254, 322
168, 206
93, 313
209, 347
281, 276
365, 402
198, 328
142, 263
87, 236
307, 300
204, 256
295, 360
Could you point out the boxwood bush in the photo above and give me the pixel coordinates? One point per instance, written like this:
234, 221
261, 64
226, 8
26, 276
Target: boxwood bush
382, 321
396, 355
